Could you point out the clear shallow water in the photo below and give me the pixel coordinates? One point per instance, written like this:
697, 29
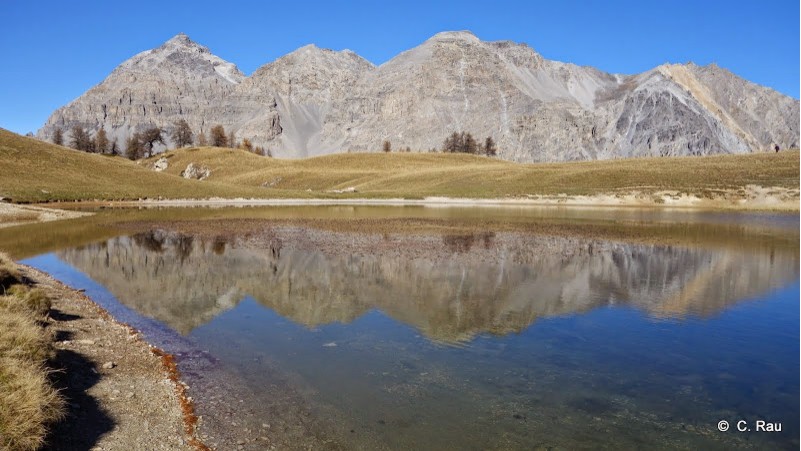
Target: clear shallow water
468, 342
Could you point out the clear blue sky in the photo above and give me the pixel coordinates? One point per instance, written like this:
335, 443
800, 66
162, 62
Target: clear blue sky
55, 50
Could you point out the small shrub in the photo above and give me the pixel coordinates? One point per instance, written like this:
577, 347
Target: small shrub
28, 403
21, 338
9, 274
32, 301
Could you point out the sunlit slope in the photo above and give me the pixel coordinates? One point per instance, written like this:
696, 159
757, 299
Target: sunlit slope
414, 175
32, 170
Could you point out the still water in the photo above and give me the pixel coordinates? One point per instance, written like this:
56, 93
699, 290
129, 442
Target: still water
298, 337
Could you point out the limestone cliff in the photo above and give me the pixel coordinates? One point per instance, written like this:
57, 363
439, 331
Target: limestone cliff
316, 101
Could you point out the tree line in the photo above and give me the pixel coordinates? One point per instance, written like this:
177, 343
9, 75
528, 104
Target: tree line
141, 144
465, 143
457, 143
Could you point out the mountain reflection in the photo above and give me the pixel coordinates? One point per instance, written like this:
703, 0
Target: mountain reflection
450, 288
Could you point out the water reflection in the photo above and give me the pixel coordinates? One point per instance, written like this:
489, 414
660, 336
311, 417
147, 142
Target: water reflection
451, 288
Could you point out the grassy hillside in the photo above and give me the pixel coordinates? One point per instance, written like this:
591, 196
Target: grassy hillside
35, 171
31, 171
413, 175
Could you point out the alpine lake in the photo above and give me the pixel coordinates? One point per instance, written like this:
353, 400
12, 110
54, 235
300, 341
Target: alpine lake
368, 327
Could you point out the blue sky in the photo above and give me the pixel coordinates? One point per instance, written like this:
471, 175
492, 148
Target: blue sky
53, 51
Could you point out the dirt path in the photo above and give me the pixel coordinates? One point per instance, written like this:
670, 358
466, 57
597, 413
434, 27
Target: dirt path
120, 392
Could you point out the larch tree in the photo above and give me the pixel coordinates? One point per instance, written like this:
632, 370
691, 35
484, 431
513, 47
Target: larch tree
150, 137
101, 141
134, 149
218, 138
81, 140
469, 144
247, 145
489, 147
181, 134
58, 136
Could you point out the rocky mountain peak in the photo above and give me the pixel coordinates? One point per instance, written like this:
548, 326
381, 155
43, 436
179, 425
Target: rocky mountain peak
181, 43
314, 101
182, 57
462, 35
180, 39
312, 54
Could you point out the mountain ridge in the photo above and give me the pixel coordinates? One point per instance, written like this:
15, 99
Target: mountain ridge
316, 101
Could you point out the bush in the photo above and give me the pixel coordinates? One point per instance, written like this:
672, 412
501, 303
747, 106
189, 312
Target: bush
27, 404
28, 401
9, 274
33, 301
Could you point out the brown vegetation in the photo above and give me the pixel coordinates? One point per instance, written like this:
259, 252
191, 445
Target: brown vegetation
28, 401
182, 134
218, 137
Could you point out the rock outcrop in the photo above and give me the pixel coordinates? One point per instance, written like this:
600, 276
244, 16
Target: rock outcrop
196, 171
315, 101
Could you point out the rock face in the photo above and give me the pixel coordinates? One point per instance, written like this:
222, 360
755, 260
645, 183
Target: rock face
315, 101
179, 80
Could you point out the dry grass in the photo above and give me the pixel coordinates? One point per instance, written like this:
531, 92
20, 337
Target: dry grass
26, 216
410, 175
22, 338
35, 171
28, 401
9, 273
27, 404
30, 300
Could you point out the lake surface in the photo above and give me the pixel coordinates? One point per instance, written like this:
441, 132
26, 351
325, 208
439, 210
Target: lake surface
296, 336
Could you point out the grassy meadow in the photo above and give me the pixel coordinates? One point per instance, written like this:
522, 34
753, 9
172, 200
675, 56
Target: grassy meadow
418, 175
35, 171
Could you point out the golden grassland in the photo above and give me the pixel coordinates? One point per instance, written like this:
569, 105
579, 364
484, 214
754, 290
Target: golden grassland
35, 171
417, 175
28, 401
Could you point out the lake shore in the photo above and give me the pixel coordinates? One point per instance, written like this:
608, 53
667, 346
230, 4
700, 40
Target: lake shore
15, 214
448, 239
121, 393
753, 198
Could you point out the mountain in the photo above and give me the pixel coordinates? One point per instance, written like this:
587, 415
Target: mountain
290, 99
316, 101
180, 79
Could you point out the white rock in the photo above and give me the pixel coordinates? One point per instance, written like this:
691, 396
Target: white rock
161, 165
194, 171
